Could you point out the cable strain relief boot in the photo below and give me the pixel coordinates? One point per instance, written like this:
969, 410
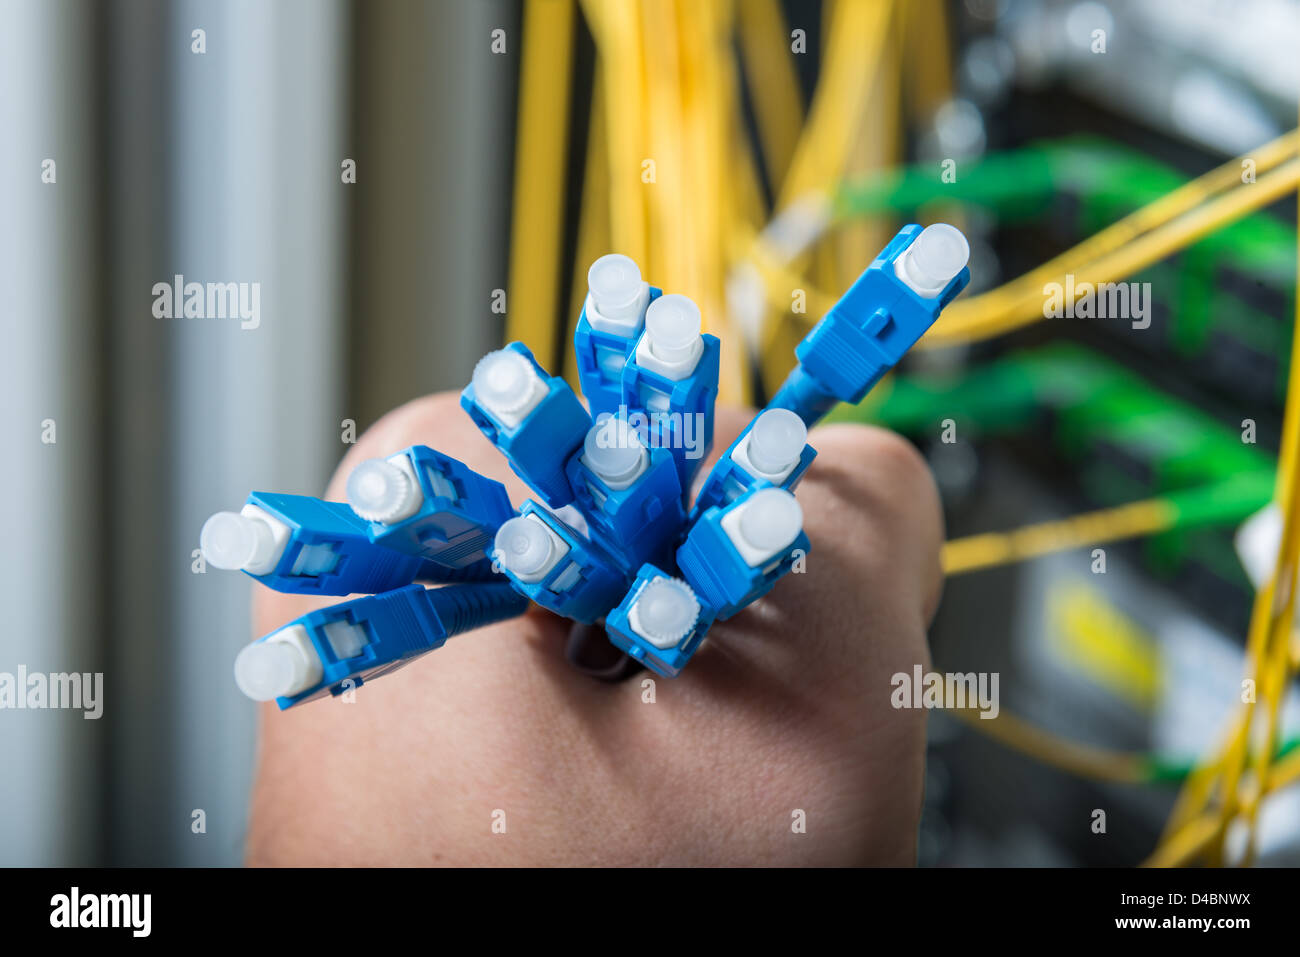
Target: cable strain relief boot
463, 608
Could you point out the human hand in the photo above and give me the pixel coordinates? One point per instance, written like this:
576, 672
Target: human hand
785, 707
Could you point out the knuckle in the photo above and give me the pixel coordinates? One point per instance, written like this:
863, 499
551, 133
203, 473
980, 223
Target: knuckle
873, 494
432, 419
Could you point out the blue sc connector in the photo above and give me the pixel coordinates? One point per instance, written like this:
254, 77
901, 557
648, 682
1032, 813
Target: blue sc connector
553, 565
303, 545
866, 333
533, 418
773, 448
670, 383
337, 649
660, 622
733, 556
423, 503
608, 328
628, 494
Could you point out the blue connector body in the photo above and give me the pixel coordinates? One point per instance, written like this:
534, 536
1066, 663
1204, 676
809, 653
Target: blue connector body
678, 413
584, 584
328, 550
665, 661
712, 564
458, 517
729, 479
540, 444
601, 357
638, 524
357, 641
863, 336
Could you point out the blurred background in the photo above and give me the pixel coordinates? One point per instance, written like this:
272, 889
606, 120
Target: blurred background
410, 183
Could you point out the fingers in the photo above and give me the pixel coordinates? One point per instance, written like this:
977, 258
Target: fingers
873, 494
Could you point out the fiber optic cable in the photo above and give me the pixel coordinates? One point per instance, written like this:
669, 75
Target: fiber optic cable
540, 155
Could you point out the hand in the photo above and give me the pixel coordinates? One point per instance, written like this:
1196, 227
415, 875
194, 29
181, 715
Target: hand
785, 708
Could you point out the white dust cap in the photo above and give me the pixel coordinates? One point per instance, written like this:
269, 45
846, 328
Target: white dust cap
379, 491
664, 612
504, 381
233, 541
270, 669
1257, 542
672, 327
614, 282
770, 520
613, 450
933, 259
776, 440
523, 546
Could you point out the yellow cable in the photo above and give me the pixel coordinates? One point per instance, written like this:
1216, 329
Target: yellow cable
1156, 213
856, 36
593, 218
773, 83
1268, 658
1020, 301
540, 153
877, 144
1276, 679
1109, 524
1186, 844
707, 214
614, 25
1285, 772
1079, 759
927, 56
974, 320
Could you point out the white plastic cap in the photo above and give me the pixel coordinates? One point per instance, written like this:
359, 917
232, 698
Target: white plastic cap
771, 520
1257, 542
613, 450
379, 491
933, 259
269, 669
664, 612
233, 541
504, 381
776, 440
523, 546
672, 327
614, 282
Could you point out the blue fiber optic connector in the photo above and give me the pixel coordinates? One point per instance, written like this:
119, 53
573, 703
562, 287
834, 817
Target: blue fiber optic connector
552, 564
423, 503
336, 649
601, 356
637, 519
773, 449
882, 315
660, 622
304, 545
532, 417
674, 413
733, 556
